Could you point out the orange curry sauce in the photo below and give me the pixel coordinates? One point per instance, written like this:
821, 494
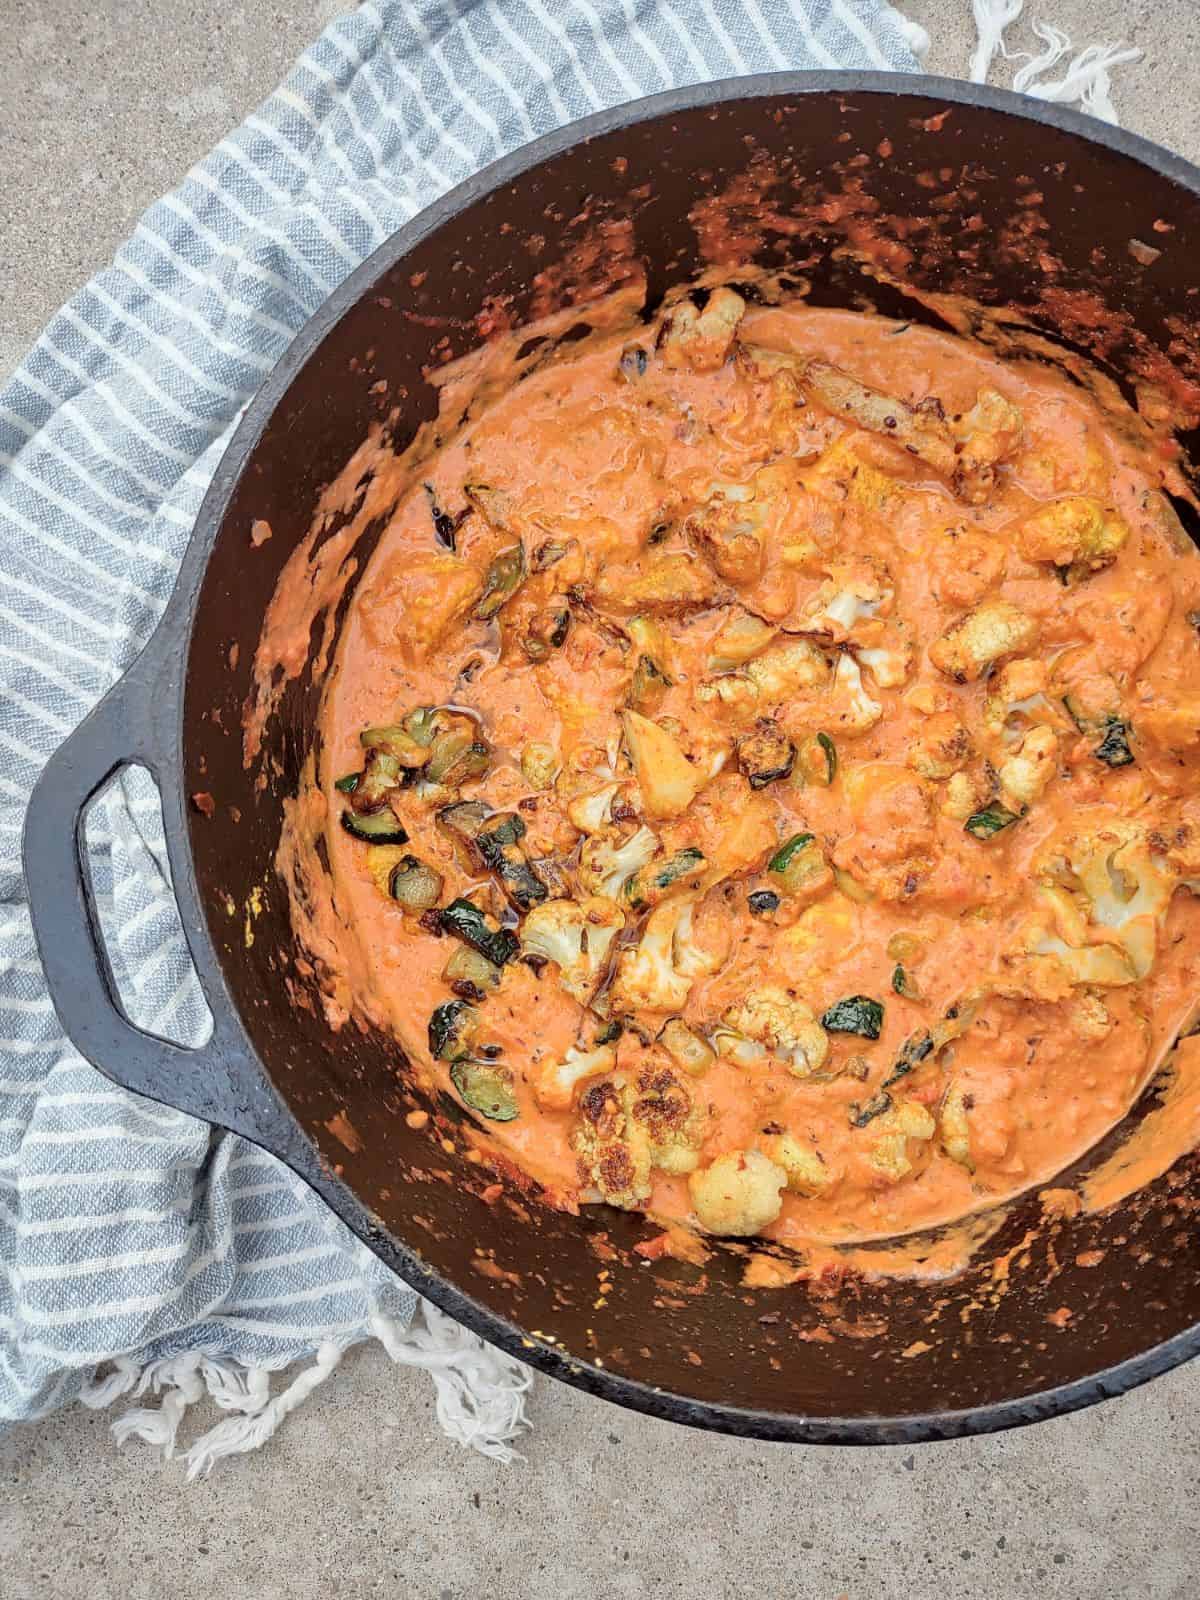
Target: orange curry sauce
718, 539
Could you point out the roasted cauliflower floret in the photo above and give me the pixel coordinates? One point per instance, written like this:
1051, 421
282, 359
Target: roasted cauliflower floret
784, 1025
1052, 956
607, 861
941, 747
728, 531
625, 1130
555, 1082
802, 1161
889, 1134
954, 1129
577, 936
987, 634
854, 592
990, 433
1017, 692
701, 339
1074, 532
1027, 773
738, 1194
647, 974
1089, 1018
785, 669
1123, 885
968, 792
672, 584
887, 655
590, 811
539, 764
851, 709
612, 1149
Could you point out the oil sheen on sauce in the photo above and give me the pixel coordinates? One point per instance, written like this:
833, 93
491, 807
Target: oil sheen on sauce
1055, 1001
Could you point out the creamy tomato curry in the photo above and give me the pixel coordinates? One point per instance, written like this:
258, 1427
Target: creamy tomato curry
761, 772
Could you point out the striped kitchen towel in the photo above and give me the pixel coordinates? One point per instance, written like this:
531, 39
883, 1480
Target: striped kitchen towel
140, 1251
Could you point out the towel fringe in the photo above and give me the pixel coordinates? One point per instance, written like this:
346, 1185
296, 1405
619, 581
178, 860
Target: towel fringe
1087, 80
991, 19
480, 1392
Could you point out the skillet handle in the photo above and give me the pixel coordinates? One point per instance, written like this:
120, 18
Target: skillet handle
66, 924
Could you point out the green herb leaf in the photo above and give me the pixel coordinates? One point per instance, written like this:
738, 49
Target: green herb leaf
858, 1013
985, 824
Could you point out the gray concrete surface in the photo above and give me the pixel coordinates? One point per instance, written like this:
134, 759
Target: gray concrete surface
102, 106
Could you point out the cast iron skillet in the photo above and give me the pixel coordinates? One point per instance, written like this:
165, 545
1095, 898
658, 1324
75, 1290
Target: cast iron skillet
1021, 203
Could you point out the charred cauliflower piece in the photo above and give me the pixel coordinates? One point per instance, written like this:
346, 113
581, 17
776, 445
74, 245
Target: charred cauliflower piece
612, 1150
785, 1026
1074, 532
624, 1131
987, 634
701, 339
738, 1194
661, 1104
887, 655
1017, 693
576, 936
989, 434
728, 532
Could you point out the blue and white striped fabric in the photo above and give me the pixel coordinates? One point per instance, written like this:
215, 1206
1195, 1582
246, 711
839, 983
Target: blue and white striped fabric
128, 1231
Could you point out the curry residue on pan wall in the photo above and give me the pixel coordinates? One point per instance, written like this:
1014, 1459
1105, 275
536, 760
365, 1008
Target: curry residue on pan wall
966, 579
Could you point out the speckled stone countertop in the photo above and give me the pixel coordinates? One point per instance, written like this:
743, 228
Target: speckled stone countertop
102, 107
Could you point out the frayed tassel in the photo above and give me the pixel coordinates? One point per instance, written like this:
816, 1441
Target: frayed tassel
239, 1434
180, 1377
1087, 78
991, 19
1056, 46
480, 1391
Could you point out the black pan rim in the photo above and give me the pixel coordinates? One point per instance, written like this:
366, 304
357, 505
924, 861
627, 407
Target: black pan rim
174, 640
